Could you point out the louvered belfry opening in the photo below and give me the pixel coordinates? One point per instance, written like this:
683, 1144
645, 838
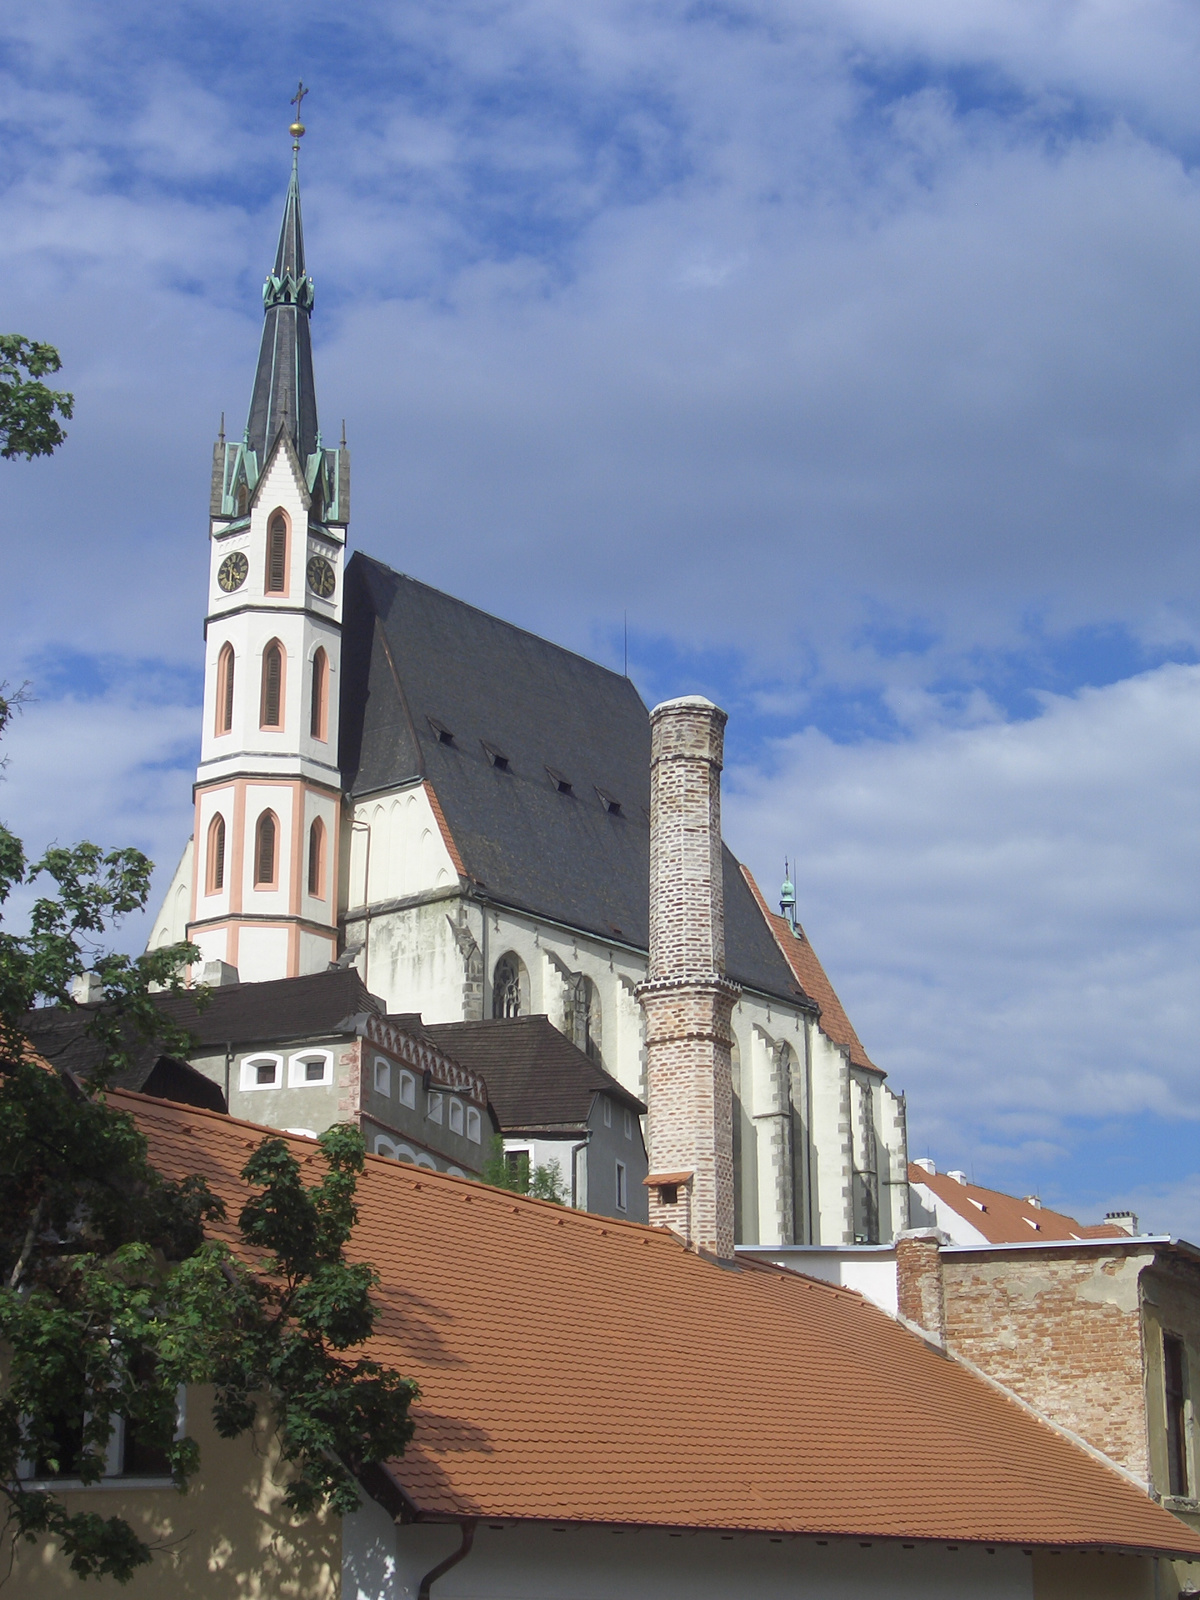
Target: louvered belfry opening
216, 855
316, 858
225, 690
277, 556
317, 717
264, 850
272, 684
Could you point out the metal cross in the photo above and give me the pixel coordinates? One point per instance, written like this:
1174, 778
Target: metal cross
298, 98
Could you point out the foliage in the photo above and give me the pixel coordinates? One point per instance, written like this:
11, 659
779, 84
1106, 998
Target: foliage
28, 426
542, 1183
111, 1298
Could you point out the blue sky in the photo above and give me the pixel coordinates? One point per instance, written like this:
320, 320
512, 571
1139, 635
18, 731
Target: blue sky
849, 350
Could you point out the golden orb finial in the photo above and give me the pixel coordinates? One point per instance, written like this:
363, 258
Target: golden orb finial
297, 128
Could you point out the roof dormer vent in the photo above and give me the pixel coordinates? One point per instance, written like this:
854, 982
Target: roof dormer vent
497, 758
441, 731
563, 785
613, 807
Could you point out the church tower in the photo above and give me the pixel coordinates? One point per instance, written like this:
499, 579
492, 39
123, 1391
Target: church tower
268, 788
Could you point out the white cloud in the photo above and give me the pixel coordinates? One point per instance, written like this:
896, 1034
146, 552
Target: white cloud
114, 770
1007, 910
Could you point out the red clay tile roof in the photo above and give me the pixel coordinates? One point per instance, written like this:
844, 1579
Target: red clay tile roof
1002, 1218
573, 1368
802, 958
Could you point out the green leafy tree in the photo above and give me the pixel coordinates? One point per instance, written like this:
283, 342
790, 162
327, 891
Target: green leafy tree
111, 1297
511, 1170
28, 424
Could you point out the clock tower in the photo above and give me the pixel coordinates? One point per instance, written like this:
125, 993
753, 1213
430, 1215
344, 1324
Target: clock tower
268, 789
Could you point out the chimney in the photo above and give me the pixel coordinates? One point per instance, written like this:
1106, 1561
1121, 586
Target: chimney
920, 1295
687, 998
87, 989
218, 974
1126, 1220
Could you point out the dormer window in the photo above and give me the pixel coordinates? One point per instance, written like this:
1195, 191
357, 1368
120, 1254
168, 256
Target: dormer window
613, 807
563, 785
495, 757
441, 731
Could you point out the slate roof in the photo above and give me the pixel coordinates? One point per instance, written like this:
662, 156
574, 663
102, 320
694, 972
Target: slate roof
574, 1368
284, 394
240, 1014
535, 1076
802, 958
59, 1036
1003, 1218
418, 666
282, 1008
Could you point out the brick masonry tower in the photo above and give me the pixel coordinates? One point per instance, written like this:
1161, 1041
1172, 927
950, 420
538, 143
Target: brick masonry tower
687, 999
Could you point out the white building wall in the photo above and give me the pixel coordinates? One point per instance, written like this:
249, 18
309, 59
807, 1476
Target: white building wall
383, 1561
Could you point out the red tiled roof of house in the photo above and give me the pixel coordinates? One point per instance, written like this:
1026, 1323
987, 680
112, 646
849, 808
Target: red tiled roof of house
1003, 1218
577, 1369
810, 974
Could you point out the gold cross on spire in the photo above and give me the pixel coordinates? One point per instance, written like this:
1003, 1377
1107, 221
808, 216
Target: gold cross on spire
297, 128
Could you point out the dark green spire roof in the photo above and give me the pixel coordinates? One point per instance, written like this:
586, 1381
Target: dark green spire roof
284, 392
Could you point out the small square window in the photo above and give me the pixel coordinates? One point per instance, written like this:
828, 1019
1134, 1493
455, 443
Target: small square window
607, 1112
433, 1108
264, 1072
622, 1201
668, 1194
314, 1071
629, 1124
456, 1116
474, 1125
406, 1089
383, 1077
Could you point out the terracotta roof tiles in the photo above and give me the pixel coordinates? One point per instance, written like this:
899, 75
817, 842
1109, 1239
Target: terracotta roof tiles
1003, 1218
574, 1368
580, 1368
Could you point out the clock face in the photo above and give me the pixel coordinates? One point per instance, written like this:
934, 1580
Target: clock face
231, 574
321, 579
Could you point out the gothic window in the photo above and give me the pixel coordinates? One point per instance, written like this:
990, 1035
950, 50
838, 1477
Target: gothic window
265, 835
277, 555
272, 686
216, 855
507, 987
316, 859
583, 1015
225, 689
320, 672
243, 499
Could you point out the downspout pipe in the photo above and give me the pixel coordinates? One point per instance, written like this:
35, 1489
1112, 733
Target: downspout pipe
467, 1530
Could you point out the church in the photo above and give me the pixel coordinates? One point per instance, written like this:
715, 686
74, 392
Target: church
394, 780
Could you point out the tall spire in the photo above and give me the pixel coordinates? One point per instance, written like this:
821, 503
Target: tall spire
284, 392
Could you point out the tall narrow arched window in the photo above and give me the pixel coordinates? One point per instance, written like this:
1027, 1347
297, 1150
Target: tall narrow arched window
320, 675
277, 555
225, 689
316, 859
215, 863
271, 713
266, 836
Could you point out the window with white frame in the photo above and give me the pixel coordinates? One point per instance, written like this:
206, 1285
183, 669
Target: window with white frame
384, 1147
456, 1115
622, 1199
607, 1112
474, 1125
310, 1067
629, 1124
433, 1106
406, 1088
262, 1072
422, 1160
383, 1076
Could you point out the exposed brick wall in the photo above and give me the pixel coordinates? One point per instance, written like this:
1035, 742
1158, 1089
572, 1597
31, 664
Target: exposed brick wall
687, 999
919, 1292
1064, 1332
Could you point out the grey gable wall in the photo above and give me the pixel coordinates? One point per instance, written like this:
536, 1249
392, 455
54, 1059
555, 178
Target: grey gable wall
411, 653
